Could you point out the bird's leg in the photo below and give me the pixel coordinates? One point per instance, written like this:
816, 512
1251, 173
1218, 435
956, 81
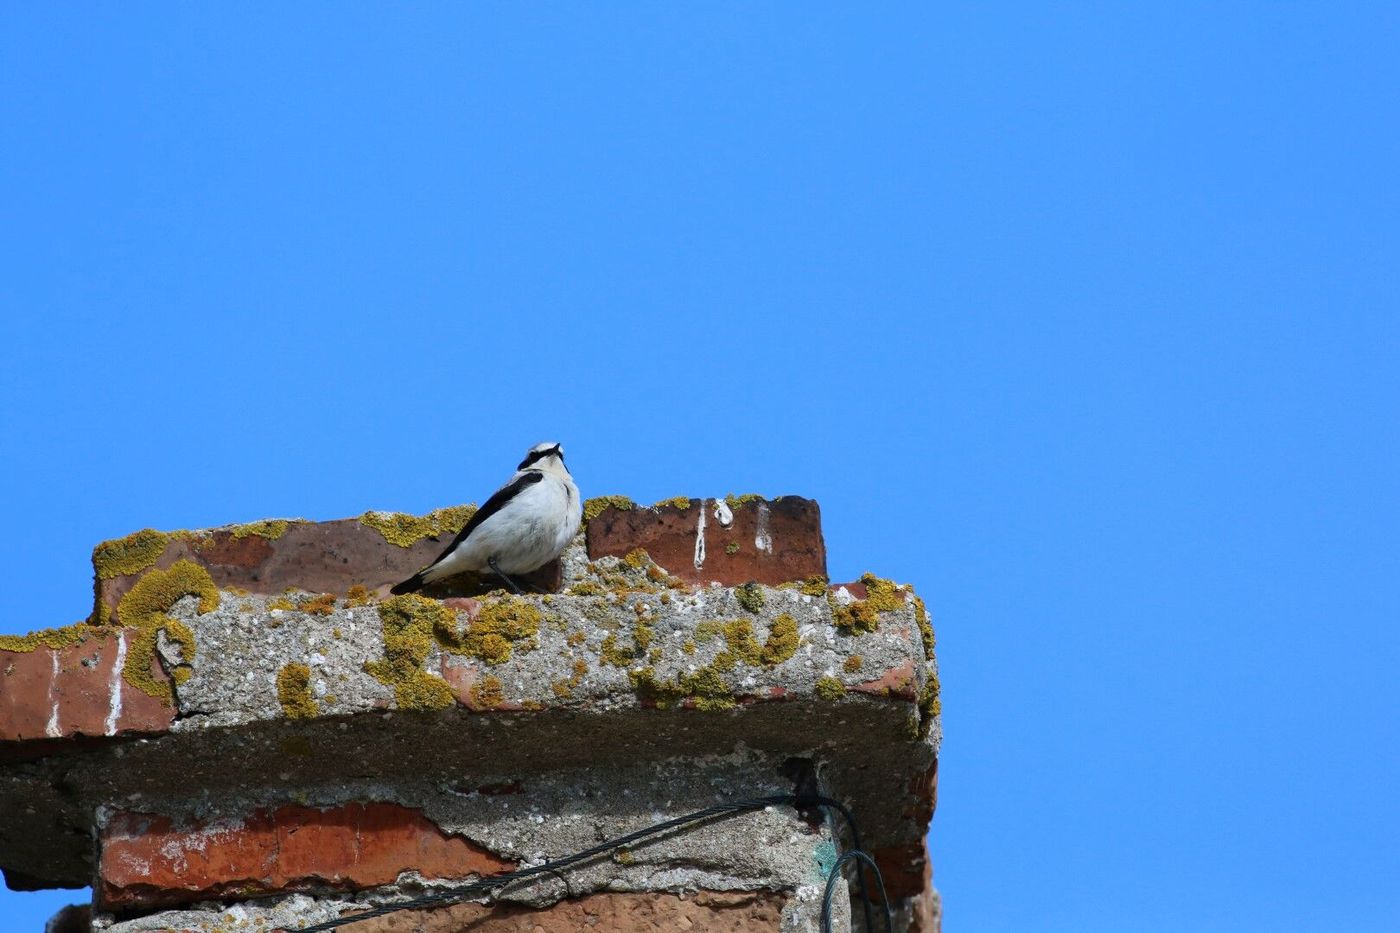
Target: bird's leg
496, 569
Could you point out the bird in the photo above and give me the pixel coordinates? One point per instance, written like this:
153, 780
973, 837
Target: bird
525, 524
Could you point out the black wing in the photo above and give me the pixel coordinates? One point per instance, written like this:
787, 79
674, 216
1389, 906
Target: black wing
493, 505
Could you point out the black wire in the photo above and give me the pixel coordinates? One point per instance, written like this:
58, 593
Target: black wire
864, 859
492, 885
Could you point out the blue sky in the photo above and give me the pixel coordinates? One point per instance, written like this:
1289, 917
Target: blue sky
1080, 317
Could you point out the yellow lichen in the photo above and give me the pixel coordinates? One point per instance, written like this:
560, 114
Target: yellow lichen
271, 529
921, 619
782, 641
637, 559
678, 502
562, 689
412, 624
487, 693
829, 688
853, 664
594, 507
282, 603
143, 608
736, 503
575, 639
705, 688
863, 615
294, 692
689, 646
358, 595
322, 605
587, 588
880, 593
613, 653
930, 704
500, 626
124, 556
750, 596
732, 548
405, 530
815, 585
742, 648
55, 638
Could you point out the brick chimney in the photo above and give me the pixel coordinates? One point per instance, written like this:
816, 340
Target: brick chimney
250, 734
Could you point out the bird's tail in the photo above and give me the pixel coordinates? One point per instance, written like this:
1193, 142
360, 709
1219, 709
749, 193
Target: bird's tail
412, 585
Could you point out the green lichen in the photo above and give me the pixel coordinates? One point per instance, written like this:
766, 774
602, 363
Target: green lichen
782, 641
144, 608
271, 529
732, 548
594, 507
829, 688
405, 530
705, 689
487, 693
54, 638
679, 502
921, 619
125, 556
853, 664
736, 503
412, 625
294, 692
750, 596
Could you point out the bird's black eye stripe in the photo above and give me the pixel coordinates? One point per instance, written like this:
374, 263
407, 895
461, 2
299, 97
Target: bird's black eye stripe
534, 455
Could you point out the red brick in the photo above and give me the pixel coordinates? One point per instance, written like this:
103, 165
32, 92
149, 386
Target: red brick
151, 861
48, 693
896, 682
319, 557
777, 541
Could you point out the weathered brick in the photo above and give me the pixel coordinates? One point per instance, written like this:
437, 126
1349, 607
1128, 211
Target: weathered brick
77, 690
149, 861
319, 557
765, 541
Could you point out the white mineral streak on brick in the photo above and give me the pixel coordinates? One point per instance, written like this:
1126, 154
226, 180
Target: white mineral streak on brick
762, 539
51, 730
700, 538
114, 704
722, 513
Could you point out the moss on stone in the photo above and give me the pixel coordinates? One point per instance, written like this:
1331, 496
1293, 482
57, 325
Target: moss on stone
829, 688
594, 507
853, 664
294, 692
55, 638
487, 693
143, 608
562, 689
679, 502
404, 530
750, 596
782, 641
271, 529
124, 556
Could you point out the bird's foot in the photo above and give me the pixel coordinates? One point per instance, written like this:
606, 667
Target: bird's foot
496, 569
